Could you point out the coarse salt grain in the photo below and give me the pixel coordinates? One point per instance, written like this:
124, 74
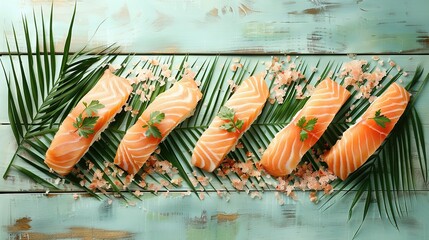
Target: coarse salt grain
238, 184
154, 62
201, 196
177, 181
166, 73
313, 197
57, 181
137, 193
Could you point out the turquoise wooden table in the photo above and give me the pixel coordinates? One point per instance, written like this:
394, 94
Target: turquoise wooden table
318, 32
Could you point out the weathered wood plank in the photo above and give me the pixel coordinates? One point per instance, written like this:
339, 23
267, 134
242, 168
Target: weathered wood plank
236, 216
238, 26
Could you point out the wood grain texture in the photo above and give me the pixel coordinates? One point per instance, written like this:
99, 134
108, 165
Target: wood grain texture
235, 216
239, 26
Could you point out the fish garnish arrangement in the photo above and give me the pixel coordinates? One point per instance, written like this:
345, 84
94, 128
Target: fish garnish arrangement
94, 112
233, 119
292, 142
363, 139
87, 121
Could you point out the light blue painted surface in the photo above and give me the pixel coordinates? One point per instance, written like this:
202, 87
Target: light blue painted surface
177, 217
238, 26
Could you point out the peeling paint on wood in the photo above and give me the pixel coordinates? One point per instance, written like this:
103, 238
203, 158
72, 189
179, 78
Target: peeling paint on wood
224, 217
21, 224
74, 233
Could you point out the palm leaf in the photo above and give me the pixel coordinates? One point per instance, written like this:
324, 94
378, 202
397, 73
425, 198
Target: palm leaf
46, 94
387, 178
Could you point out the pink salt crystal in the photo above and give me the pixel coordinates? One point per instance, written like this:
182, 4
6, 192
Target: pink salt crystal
154, 62
255, 194
238, 184
177, 181
164, 183
187, 193
201, 196
137, 193
142, 184
313, 196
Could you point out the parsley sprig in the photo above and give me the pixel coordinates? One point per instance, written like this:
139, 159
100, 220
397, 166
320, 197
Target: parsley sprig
381, 120
85, 125
228, 114
155, 117
306, 126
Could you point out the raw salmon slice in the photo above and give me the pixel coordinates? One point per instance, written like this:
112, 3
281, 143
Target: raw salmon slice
177, 103
67, 147
286, 150
362, 139
215, 143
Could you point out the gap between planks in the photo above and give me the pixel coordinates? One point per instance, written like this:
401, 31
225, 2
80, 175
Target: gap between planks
249, 54
189, 190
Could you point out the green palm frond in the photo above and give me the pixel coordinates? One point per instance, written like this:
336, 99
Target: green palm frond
40, 95
387, 178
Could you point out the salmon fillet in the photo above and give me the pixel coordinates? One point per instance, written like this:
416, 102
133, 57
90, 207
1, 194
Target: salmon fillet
67, 147
362, 139
215, 143
286, 149
177, 103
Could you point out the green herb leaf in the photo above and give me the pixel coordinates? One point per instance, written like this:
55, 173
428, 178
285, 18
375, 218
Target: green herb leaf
85, 126
93, 107
381, 120
228, 114
303, 135
153, 131
301, 122
229, 126
155, 117
310, 124
90, 121
239, 124
306, 126
78, 122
